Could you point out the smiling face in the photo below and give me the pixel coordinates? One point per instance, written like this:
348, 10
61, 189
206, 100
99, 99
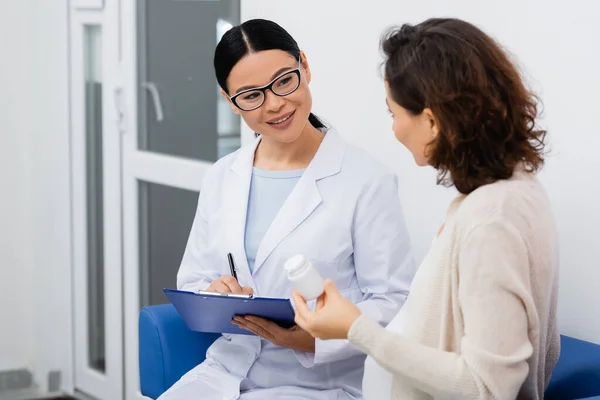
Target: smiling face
279, 118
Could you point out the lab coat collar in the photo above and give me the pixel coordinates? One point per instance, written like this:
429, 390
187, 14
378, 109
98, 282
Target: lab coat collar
302, 201
327, 160
236, 190
244, 161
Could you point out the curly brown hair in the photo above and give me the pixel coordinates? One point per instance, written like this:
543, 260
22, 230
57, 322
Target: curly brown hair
486, 115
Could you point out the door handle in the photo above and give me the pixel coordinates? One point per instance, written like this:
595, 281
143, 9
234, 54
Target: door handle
155, 95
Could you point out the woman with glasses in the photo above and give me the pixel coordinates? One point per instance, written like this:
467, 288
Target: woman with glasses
298, 189
480, 322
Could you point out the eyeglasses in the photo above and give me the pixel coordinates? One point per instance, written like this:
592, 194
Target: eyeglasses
283, 85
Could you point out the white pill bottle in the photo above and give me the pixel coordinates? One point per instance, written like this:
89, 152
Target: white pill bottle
304, 277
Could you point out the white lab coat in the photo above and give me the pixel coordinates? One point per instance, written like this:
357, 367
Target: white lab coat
345, 215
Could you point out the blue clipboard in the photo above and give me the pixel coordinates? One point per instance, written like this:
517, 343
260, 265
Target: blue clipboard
213, 313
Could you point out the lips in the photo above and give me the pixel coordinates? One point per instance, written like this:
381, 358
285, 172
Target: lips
280, 119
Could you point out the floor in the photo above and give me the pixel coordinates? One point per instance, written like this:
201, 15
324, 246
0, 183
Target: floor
29, 394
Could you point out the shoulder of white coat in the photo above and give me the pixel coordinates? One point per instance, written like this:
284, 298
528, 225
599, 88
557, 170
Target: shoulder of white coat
217, 171
514, 200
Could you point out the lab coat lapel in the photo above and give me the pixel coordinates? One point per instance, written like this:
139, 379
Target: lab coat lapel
304, 198
237, 190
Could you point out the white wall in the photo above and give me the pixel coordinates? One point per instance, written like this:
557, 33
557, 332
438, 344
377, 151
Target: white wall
34, 171
555, 43
16, 259
51, 191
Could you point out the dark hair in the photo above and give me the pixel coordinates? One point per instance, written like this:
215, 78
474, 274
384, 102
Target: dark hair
486, 116
253, 36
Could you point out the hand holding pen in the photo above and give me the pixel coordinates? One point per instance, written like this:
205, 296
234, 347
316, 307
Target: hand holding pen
229, 283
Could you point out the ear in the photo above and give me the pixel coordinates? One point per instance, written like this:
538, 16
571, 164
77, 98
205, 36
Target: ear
304, 66
233, 107
432, 122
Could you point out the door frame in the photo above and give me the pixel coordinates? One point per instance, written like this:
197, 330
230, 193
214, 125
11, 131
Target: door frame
108, 385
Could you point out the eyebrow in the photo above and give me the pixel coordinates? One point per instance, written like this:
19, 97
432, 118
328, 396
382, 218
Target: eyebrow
275, 75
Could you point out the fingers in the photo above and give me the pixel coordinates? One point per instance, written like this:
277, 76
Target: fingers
330, 288
265, 324
232, 284
321, 300
301, 322
228, 284
301, 306
305, 325
218, 286
259, 326
243, 324
302, 312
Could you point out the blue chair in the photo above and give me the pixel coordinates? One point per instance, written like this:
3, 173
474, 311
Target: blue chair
168, 349
577, 374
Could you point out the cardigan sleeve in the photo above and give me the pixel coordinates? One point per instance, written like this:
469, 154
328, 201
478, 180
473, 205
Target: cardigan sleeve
495, 299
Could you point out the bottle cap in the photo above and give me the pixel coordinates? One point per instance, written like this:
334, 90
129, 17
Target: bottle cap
295, 264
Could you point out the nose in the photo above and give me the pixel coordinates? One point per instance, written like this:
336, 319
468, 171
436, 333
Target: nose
273, 102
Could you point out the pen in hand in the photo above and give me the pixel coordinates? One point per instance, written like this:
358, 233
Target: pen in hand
229, 283
232, 265
233, 286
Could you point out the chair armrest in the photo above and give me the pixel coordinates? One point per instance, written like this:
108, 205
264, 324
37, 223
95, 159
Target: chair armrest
167, 348
577, 373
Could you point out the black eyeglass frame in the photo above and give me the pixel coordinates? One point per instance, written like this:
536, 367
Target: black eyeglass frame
268, 86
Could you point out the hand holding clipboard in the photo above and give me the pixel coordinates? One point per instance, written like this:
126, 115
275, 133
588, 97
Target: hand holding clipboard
213, 310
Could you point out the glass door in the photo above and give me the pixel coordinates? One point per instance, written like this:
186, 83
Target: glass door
176, 126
